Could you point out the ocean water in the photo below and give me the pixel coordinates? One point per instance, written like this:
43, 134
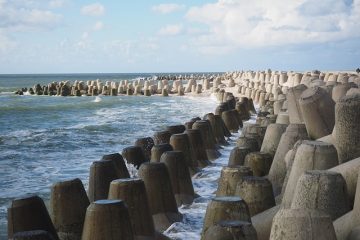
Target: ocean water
47, 139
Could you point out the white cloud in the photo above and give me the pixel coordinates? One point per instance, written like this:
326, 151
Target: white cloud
57, 3
84, 43
27, 17
98, 26
171, 30
131, 50
95, 9
168, 8
6, 43
259, 23
85, 35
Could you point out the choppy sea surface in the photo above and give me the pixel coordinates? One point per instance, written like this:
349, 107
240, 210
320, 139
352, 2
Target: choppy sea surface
47, 139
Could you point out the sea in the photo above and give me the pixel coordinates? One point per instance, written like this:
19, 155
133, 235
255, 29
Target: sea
46, 139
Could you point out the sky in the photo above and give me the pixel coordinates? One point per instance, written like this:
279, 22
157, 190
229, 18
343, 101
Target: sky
78, 36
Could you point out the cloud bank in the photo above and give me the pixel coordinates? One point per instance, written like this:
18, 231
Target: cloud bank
168, 8
171, 30
23, 16
260, 23
94, 10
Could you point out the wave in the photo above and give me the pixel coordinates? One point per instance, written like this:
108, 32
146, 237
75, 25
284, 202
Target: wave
39, 104
97, 99
7, 89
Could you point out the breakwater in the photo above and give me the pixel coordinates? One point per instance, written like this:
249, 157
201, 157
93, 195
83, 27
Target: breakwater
148, 85
263, 192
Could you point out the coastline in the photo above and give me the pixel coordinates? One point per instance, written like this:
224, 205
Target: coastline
267, 90
103, 102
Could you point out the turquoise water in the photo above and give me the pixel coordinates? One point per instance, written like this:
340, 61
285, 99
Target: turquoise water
47, 139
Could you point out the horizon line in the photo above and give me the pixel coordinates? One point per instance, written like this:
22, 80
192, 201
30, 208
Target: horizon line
78, 73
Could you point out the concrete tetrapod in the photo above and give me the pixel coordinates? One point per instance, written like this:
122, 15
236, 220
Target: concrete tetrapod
302, 224
237, 156
162, 202
229, 178
251, 106
205, 127
260, 120
246, 101
293, 96
262, 222
231, 230
263, 113
289, 161
230, 99
250, 128
262, 100
217, 127
146, 144
147, 92
132, 192
231, 121
227, 132
188, 125
164, 92
238, 117
33, 235
254, 131
354, 234
350, 171
259, 162
162, 137
310, 155
250, 142
208, 137
197, 147
278, 106
179, 176
328, 139
119, 163
68, 204
225, 208
277, 173
107, 219
134, 155
101, 175
322, 190
176, 129
221, 129
257, 192
29, 214
266, 121
241, 107
340, 90
272, 138
158, 150
222, 107
346, 223
283, 118
255, 136
318, 111
181, 142
347, 127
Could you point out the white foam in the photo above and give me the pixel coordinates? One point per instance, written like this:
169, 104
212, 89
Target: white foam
205, 184
97, 99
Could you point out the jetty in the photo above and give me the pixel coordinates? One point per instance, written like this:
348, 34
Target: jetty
293, 173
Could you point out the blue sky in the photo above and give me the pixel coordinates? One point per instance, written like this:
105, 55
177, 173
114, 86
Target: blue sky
68, 36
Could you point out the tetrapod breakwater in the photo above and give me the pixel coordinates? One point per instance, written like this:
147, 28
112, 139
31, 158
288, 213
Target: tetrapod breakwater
292, 171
